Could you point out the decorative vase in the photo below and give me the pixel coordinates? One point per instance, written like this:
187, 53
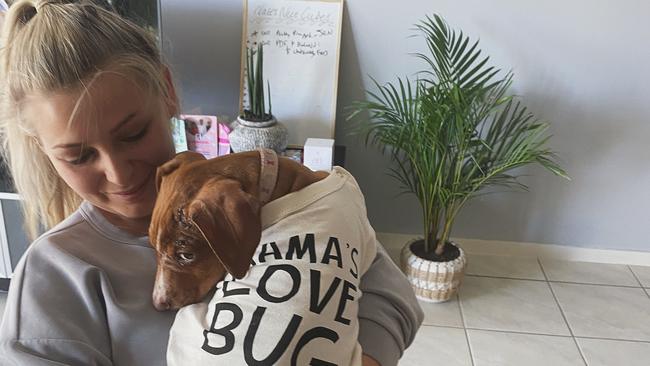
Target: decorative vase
433, 281
249, 135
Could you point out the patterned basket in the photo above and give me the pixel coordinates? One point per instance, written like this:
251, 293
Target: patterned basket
247, 136
433, 281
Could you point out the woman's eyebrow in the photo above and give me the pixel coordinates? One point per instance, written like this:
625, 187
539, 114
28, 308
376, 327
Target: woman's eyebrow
124, 121
113, 130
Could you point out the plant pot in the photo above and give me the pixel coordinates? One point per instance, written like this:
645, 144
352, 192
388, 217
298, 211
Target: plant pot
432, 281
249, 135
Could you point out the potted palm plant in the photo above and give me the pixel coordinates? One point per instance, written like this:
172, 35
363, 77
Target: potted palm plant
450, 133
256, 127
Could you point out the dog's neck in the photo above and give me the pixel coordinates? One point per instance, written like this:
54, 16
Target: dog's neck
291, 176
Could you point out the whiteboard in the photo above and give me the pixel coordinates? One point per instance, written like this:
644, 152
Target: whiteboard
301, 41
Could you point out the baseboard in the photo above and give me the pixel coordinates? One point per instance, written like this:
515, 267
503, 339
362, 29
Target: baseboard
394, 242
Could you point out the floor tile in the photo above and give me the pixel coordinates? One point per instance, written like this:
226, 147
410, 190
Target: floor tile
592, 273
446, 314
499, 266
516, 349
643, 274
600, 352
447, 346
605, 311
510, 305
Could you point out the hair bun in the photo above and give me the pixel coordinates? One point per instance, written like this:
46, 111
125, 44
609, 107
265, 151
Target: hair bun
23, 11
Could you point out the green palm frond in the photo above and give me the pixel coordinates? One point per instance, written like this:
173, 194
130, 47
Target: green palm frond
453, 131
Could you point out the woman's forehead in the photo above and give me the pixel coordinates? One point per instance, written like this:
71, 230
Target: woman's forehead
102, 104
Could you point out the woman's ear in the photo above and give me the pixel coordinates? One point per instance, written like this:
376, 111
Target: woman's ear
172, 98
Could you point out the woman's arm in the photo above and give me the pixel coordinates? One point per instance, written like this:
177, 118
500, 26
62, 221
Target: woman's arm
43, 297
389, 313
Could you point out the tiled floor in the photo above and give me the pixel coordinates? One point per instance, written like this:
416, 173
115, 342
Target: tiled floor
514, 311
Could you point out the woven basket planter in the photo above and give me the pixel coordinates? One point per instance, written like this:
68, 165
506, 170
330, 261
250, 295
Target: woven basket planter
247, 135
433, 281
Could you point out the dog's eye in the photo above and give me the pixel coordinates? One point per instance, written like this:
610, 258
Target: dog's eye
185, 257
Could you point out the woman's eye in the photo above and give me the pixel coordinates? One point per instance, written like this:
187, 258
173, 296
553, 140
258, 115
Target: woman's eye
83, 158
136, 136
185, 257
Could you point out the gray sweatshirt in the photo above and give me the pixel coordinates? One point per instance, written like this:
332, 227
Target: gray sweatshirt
81, 295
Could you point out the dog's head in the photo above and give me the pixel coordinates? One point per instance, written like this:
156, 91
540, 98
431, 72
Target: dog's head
203, 225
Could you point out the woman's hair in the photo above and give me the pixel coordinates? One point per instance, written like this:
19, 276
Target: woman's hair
52, 46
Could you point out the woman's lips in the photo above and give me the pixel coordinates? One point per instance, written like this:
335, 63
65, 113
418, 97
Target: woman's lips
134, 192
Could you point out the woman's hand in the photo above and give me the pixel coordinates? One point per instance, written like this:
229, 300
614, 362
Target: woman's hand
369, 361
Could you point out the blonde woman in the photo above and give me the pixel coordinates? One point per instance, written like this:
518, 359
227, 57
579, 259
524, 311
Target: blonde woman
86, 103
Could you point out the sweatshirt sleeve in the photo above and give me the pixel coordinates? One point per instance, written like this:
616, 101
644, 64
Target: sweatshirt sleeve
389, 313
54, 313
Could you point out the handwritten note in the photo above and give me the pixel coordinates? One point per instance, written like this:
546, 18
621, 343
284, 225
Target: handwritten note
301, 41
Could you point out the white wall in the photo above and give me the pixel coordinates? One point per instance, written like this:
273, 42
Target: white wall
202, 43
582, 65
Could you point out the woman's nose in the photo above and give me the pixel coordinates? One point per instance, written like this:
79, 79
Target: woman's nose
118, 170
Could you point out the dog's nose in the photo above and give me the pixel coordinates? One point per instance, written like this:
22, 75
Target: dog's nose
161, 304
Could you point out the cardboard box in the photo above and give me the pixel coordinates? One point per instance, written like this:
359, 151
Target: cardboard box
318, 154
202, 134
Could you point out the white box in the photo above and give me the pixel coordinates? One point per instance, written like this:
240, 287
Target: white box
318, 154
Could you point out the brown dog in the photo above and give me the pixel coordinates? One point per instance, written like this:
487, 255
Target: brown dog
206, 220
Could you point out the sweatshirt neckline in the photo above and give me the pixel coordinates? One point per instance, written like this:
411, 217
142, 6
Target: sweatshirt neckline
98, 221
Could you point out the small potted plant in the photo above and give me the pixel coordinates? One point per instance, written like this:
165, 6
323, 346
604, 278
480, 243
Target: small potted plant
256, 127
450, 133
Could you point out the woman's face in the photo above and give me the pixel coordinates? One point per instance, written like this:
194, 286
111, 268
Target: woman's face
108, 153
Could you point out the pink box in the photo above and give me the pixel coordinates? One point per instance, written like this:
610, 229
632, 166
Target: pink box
206, 136
224, 141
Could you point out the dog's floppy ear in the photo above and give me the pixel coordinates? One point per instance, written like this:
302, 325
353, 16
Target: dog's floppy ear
229, 219
170, 166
